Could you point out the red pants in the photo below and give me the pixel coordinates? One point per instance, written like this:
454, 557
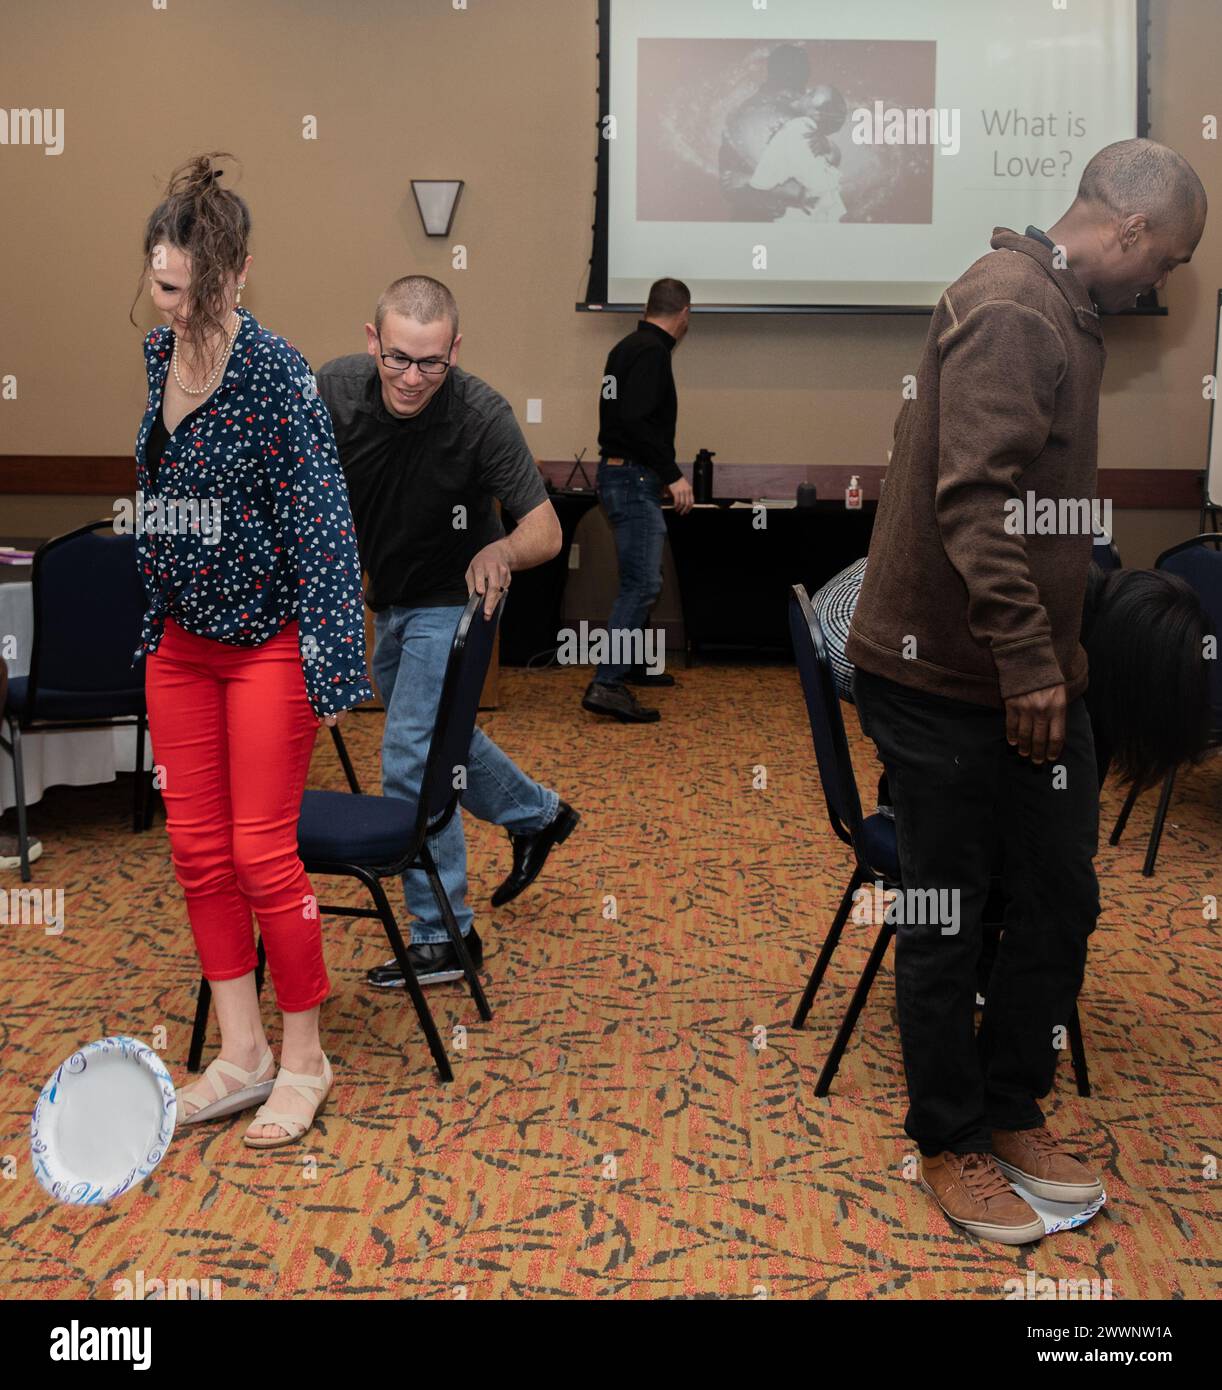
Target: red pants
233, 729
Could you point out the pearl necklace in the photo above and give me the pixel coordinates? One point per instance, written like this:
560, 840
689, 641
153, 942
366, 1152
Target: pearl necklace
207, 386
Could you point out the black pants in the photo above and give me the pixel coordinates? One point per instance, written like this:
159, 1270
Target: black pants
959, 790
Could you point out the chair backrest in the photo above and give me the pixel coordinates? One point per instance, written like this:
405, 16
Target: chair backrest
1198, 562
88, 612
450, 745
826, 723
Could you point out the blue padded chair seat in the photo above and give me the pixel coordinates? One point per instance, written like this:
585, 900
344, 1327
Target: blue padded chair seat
350, 829
881, 845
73, 704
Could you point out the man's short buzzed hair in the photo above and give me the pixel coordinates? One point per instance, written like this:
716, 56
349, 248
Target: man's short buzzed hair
1142, 176
418, 297
667, 297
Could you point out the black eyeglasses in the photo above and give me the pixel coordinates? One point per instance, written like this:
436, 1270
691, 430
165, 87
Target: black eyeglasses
429, 366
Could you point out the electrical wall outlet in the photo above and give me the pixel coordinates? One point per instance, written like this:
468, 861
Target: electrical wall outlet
534, 412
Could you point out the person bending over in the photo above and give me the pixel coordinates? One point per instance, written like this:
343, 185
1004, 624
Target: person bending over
428, 450
970, 673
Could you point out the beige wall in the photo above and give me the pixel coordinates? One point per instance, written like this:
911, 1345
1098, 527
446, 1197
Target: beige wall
501, 95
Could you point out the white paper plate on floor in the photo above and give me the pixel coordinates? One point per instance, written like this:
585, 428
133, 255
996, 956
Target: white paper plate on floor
103, 1121
1059, 1216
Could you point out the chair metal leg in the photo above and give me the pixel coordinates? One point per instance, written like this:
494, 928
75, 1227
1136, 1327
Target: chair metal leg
1077, 1051
138, 787
830, 942
856, 1004
342, 749
1123, 818
23, 837
423, 1012
202, 1004
451, 925
1156, 831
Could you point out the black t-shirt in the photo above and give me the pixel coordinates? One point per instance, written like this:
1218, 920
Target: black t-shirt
154, 447
423, 490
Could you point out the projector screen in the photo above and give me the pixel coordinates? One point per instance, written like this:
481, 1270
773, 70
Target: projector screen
822, 154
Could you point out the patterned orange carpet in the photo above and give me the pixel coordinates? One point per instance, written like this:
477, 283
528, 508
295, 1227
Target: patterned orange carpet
638, 1120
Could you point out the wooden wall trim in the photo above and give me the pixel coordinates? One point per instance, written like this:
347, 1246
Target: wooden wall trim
81, 475
1129, 489
109, 475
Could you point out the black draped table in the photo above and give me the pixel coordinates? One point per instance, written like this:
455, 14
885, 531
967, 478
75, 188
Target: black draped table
735, 565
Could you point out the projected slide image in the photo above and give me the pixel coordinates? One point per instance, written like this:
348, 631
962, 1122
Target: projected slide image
735, 130
825, 153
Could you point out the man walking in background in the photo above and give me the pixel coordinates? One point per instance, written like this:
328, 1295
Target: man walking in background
970, 675
638, 408
427, 451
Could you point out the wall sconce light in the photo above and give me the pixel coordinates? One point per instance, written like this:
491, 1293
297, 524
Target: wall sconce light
436, 200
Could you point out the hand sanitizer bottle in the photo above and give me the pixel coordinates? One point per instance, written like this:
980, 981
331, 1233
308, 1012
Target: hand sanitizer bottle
852, 494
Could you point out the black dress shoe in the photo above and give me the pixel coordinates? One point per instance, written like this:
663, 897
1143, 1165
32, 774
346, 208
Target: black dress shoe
434, 963
618, 702
530, 853
638, 675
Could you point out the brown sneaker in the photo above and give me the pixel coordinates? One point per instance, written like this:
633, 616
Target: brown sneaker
1035, 1159
973, 1192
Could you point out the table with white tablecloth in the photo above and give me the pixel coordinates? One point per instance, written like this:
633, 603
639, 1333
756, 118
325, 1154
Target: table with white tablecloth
69, 757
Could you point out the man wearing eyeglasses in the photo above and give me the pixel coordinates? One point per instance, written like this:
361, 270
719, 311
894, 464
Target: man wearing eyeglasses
427, 451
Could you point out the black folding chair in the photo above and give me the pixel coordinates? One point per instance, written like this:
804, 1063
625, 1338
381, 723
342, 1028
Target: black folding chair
1201, 567
88, 612
371, 838
871, 838
341, 749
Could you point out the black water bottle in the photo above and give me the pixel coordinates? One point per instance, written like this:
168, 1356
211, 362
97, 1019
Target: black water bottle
702, 476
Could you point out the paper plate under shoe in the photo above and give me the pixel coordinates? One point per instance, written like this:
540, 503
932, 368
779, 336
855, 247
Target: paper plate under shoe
1059, 1216
103, 1121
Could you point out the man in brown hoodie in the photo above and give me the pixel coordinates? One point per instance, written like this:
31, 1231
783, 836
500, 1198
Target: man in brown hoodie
970, 673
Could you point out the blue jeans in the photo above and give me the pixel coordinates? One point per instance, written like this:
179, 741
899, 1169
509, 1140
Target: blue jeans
409, 662
631, 496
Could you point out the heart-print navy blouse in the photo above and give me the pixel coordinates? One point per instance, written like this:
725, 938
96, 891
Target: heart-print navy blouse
247, 527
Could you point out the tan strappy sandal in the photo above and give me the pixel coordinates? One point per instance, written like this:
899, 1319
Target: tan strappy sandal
314, 1088
224, 1100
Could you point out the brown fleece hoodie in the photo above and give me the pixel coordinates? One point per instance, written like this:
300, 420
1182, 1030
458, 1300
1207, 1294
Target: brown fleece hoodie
956, 600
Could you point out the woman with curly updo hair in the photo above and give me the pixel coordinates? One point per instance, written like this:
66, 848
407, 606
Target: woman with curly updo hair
254, 636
